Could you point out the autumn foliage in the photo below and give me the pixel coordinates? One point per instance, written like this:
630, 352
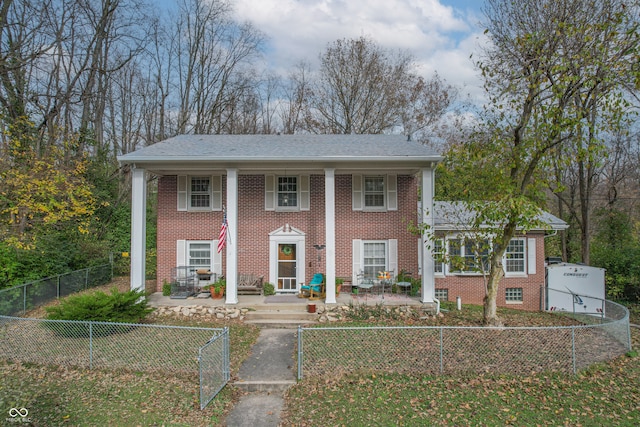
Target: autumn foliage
41, 186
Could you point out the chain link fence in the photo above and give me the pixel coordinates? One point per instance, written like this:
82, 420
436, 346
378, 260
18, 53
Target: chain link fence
102, 345
22, 298
466, 350
214, 362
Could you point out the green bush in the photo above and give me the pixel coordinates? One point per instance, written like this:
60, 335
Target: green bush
119, 307
166, 288
268, 289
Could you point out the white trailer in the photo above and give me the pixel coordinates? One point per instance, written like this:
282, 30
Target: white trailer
575, 288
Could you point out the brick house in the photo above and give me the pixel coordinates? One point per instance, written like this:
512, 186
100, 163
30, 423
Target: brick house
296, 205
524, 260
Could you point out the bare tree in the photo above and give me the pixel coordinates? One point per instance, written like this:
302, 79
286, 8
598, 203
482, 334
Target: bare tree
213, 56
296, 95
57, 57
425, 103
359, 88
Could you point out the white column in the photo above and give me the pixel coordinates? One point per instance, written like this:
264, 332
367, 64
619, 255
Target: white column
232, 237
330, 233
138, 227
428, 274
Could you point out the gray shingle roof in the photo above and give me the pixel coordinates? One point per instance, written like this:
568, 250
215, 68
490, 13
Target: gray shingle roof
282, 147
454, 216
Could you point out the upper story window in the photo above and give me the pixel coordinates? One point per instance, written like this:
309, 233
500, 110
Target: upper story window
374, 192
199, 192
287, 192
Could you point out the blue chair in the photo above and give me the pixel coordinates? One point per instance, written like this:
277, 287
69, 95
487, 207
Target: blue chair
315, 289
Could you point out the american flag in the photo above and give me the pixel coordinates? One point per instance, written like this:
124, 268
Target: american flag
222, 237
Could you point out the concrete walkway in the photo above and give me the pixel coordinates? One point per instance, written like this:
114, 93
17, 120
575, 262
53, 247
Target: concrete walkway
264, 377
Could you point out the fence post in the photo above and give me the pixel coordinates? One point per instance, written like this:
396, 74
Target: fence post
202, 397
299, 352
86, 278
90, 345
58, 287
227, 356
573, 347
24, 298
441, 351
111, 262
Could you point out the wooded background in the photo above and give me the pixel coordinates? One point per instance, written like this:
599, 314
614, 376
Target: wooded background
82, 82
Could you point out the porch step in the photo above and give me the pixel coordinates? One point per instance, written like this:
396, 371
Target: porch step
269, 386
280, 318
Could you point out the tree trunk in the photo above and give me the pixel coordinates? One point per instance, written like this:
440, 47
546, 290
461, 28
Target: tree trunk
496, 272
490, 306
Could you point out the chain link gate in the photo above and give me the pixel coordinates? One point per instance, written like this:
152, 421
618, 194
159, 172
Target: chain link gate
214, 363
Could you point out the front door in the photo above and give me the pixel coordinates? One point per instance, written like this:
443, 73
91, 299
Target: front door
287, 267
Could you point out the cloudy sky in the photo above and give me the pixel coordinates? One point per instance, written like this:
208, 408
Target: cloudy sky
440, 34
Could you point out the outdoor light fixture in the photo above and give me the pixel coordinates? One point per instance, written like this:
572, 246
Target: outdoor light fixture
319, 248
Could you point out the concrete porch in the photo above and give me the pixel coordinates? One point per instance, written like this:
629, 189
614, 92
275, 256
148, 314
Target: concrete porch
254, 301
287, 310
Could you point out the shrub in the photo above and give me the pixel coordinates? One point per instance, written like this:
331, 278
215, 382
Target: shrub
269, 289
121, 307
126, 307
166, 288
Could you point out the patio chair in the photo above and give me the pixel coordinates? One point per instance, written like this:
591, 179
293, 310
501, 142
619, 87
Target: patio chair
365, 285
315, 289
403, 285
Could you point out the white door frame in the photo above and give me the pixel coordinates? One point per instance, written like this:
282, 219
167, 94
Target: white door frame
287, 235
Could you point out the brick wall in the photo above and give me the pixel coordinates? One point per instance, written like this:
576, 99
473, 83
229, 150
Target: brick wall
255, 224
471, 288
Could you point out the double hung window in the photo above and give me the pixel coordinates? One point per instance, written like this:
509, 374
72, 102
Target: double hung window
200, 192
287, 192
199, 254
515, 256
374, 192
468, 256
375, 258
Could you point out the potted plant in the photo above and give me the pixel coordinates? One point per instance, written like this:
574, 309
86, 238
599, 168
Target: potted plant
268, 289
217, 288
339, 283
166, 288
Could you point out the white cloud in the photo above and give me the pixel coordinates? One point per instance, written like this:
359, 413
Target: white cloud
440, 37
